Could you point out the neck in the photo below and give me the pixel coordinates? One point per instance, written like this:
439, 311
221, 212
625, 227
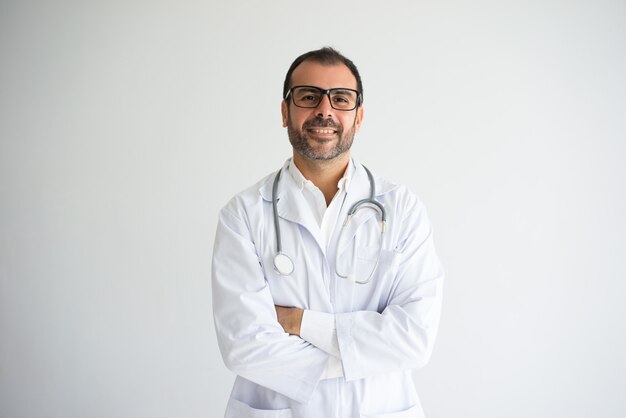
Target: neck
325, 174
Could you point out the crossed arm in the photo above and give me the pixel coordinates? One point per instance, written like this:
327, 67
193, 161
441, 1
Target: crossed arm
258, 339
289, 318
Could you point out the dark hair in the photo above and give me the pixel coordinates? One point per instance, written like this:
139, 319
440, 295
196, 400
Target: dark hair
324, 56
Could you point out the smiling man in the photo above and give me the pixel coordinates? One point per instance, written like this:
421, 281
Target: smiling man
313, 131
326, 284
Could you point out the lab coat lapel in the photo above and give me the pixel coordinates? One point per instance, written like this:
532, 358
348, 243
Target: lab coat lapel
291, 205
359, 189
293, 208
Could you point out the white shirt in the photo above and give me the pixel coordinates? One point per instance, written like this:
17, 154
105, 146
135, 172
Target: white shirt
326, 216
319, 328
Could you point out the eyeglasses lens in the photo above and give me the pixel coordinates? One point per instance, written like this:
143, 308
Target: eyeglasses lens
340, 99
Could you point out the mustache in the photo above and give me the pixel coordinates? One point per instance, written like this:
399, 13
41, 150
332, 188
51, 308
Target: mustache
321, 123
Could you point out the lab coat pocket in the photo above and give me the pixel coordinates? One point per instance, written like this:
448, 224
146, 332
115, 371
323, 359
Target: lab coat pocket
414, 412
373, 261
238, 409
371, 254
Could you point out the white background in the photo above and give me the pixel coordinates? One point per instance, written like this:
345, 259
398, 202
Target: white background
126, 125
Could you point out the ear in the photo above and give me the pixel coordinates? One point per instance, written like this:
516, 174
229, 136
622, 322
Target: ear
358, 119
283, 111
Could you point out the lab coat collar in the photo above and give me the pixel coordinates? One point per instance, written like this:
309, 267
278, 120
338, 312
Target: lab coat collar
291, 204
343, 184
358, 189
293, 207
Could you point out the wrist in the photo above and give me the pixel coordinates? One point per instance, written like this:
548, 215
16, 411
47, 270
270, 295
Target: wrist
297, 323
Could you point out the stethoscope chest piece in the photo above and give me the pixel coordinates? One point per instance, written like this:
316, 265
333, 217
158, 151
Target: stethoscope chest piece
283, 264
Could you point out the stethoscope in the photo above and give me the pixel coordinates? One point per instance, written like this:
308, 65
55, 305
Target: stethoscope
283, 263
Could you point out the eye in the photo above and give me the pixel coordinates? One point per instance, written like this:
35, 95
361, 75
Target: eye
306, 97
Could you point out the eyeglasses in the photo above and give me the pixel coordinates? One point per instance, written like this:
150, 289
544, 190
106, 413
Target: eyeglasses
310, 97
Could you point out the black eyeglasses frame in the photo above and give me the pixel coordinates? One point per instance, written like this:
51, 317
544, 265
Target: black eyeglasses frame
359, 97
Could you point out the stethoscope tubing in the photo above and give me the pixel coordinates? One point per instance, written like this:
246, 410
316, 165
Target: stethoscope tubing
283, 263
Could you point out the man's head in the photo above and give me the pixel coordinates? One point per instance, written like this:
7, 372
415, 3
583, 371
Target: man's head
324, 56
317, 128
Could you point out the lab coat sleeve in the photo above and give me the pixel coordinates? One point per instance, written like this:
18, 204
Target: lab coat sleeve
319, 329
252, 342
402, 335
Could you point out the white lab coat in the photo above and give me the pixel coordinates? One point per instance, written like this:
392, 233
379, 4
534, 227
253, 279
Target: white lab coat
384, 328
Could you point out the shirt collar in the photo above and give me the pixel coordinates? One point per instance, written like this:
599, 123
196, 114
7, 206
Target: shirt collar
343, 184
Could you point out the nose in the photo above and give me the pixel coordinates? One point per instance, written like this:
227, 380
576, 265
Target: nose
324, 109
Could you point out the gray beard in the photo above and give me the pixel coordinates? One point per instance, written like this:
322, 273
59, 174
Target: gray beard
298, 139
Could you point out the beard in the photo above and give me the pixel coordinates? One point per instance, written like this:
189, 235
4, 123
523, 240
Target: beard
302, 142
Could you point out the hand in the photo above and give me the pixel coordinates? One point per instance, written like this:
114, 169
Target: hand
290, 319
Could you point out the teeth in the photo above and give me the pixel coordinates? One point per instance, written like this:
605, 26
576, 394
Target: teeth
323, 131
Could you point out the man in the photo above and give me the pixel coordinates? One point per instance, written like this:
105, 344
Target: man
319, 312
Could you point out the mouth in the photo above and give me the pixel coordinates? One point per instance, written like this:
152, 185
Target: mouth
322, 131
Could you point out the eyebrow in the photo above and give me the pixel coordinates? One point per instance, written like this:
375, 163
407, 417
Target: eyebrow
310, 89
343, 90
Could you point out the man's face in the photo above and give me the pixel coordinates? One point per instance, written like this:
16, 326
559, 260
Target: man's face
321, 133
